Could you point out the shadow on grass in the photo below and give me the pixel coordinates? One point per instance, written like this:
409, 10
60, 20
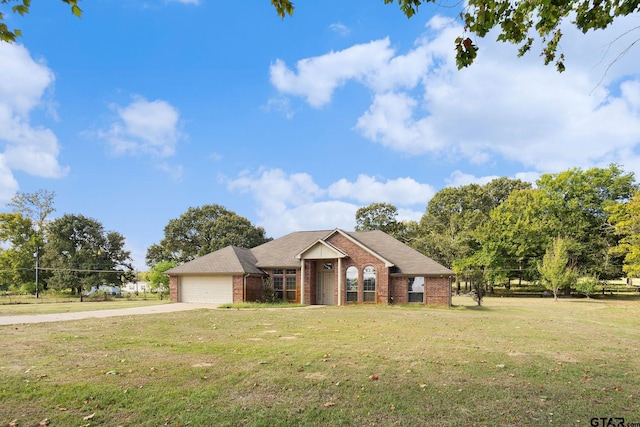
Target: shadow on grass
477, 307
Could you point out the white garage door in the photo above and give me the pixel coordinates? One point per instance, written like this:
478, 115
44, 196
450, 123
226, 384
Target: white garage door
206, 289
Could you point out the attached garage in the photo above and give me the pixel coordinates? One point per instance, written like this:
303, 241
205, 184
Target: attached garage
206, 289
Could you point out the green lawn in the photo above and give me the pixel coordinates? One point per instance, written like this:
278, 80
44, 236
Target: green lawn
524, 361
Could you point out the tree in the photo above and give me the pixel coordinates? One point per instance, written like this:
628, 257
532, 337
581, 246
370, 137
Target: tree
383, 217
24, 232
454, 214
517, 20
79, 254
202, 230
555, 269
516, 236
21, 8
587, 285
578, 200
377, 216
625, 218
158, 281
16, 260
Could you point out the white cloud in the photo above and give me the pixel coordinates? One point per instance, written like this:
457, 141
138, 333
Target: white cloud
29, 148
8, 184
174, 171
318, 77
367, 189
294, 202
501, 108
145, 127
279, 104
340, 29
194, 2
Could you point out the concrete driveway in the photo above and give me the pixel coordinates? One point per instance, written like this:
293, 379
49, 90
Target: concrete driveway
61, 317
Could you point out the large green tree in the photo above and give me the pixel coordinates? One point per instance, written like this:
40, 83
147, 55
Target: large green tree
23, 233
571, 203
518, 22
579, 199
17, 264
447, 229
516, 236
625, 218
202, 230
384, 217
80, 254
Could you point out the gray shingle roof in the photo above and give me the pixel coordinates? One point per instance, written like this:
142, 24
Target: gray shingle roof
281, 253
407, 260
231, 259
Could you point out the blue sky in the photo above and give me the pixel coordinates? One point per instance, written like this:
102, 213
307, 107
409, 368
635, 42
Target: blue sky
142, 109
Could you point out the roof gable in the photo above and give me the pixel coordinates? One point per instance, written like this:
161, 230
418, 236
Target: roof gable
321, 250
352, 236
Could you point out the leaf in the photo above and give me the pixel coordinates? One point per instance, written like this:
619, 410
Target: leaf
329, 404
44, 422
89, 417
373, 377
76, 11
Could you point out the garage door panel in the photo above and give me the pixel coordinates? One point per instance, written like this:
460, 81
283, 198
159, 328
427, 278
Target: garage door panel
206, 289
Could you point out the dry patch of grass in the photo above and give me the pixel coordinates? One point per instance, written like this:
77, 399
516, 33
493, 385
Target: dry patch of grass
511, 362
73, 307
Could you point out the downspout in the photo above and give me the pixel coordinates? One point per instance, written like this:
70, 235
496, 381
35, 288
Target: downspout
244, 287
302, 281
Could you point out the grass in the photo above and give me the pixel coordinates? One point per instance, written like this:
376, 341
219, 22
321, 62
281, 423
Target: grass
32, 306
525, 361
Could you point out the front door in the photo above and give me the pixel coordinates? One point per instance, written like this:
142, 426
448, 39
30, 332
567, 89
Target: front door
326, 288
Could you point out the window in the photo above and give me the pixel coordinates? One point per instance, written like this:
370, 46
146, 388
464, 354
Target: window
284, 284
416, 289
277, 286
352, 284
369, 284
291, 287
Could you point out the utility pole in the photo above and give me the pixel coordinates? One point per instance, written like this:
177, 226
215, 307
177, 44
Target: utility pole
37, 249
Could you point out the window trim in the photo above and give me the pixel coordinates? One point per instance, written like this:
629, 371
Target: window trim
418, 297
352, 294
369, 274
285, 284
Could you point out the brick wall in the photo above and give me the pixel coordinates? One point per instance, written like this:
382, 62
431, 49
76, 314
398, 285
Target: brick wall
360, 258
437, 291
238, 288
254, 288
173, 288
310, 281
400, 290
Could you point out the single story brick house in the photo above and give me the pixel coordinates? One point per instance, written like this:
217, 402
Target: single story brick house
329, 267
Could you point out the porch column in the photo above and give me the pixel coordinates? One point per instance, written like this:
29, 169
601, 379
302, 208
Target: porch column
339, 281
302, 282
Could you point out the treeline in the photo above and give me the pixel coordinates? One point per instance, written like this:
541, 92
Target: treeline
72, 252
501, 231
